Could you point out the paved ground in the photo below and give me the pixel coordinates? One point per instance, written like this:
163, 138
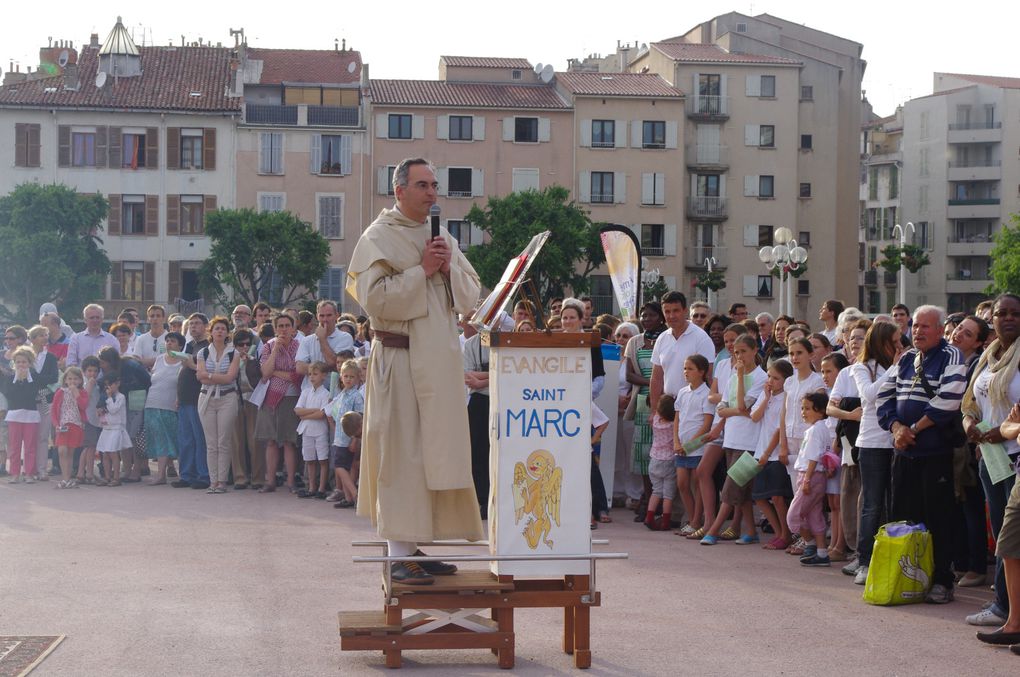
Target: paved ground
160, 581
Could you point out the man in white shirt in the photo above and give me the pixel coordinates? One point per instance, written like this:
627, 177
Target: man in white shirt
152, 343
324, 343
673, 347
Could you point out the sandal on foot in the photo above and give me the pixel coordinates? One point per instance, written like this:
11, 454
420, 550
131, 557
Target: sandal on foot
728, 535
267, 489
697, 535
605, 518
709, 539
777, 543
746, 540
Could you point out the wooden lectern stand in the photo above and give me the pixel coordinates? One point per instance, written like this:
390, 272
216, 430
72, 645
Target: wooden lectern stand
539, 516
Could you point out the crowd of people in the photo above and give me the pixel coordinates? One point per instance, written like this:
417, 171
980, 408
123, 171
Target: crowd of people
843, 426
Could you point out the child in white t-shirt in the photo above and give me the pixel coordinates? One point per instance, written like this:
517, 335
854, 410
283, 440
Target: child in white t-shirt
805, 514
314, 431
772, 490
694, 414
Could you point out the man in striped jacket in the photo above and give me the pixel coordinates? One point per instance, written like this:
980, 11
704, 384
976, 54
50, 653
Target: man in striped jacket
919, 403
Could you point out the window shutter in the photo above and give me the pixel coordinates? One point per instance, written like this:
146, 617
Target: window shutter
751, 235
116, 280
647, 188
315, 154
696, 93
102, 143
619, 133
636, 229
418, 126
64, 146
208, 207
265, 152
381, 176
722, 186
724, 90
151, 152
477, 183
173, 214
543, 129
33, 146
113, 217
382, 126
669, 239
750, 186
20, 145
152, 215
443, 127
115, 148
619, 187
345, 154
671, 134
276, 143
752, 135
173, 148
586, 133
750, 284
670, 282
174, 282
443, 177
508, 129
478, 127
660, 188
753, 85
209, 148
584, 186
635, 133
149, 279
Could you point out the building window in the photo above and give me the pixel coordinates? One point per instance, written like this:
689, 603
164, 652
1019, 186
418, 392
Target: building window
400, 126
461, 231
271, 202
83, 149
767, 136
653, 239
26, 145
805, 190
133, 281
806, 141
602, 187
132, 215
330, 155
766, 186
603, 133
460, 128
191, 149
653, 187
515, 75
872, 183
804, 238
331, 217
807, 93
894, 182
803, 287
708, 185
192, 215
133, 150
389, 179
765, 236
653, 134
331, 286
270, 153
768, 86
458, 182
526, 130
525, 178
764, 286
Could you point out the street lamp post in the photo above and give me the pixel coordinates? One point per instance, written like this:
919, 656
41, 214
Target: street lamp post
709, 262
903, 269
787, 253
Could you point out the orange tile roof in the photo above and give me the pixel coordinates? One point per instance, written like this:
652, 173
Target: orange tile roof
711, 53
617, 84
991, 80
170, 76
465, 94
321, 66
486, 62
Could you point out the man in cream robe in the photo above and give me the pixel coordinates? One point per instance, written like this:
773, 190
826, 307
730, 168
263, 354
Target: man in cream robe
416, 458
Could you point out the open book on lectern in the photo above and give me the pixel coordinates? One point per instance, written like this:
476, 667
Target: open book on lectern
488, 312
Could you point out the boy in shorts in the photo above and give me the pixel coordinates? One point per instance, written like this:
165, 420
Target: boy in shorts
348, 400
314, 431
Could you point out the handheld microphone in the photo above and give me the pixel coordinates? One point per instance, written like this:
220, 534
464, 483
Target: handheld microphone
434, 216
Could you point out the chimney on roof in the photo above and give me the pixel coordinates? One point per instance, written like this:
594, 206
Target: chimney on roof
94, 40
71, 80
364, 76
344, 47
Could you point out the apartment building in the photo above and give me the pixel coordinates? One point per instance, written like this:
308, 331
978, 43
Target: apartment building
959, 179
302, 147
150, 128
881, 171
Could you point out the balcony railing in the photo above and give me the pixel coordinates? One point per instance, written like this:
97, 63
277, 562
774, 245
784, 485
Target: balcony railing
707, 155
970, 237
890, 278
700, 207
970, 275
334, 116
262, 114
315, 116
975, 125
974, 201
653, 250
956, 164
602, 198
695, 255
708, 107
871, 277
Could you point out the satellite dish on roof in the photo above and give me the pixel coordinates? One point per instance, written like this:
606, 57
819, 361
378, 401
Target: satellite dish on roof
100, 79
547, 72
538, 68
351, 67
63, 58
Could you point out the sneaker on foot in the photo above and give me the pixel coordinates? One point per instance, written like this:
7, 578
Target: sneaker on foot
410, 573
436, 568
986, 617
939, 594
862, 576
815, 561
810, 550
687, 530
851, 567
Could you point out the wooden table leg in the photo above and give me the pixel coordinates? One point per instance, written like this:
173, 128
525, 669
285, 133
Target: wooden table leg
394, 616
505, 619
582, 636
568, 629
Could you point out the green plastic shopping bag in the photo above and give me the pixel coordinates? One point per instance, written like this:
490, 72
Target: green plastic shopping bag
902, 564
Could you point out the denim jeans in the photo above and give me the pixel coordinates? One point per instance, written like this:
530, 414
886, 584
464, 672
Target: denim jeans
191, 440
997, 495
876, 483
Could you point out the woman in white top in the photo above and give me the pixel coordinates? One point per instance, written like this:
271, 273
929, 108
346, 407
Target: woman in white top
882, 347
161, 408
217, 365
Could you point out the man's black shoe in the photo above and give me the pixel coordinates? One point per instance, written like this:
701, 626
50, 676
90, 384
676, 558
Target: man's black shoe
410, 573
199, 485
180, 484
436, 568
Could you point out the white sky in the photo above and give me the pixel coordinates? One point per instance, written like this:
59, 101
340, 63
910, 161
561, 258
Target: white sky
904, 41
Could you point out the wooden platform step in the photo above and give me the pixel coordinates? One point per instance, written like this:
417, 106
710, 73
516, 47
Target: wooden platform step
353, 623
470, 580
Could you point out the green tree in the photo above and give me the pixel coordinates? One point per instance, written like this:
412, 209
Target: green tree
50, 250
1005, 257
249, 248
571, 253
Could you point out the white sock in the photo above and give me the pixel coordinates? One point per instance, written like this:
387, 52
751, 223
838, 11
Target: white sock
401, 548
823, 552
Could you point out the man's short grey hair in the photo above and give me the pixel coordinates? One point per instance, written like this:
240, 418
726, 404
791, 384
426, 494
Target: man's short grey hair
404, 168
93, 306
765, 316
700, 304
924, 310
327, 302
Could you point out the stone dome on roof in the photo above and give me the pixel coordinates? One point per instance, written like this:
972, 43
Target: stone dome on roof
119, 41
